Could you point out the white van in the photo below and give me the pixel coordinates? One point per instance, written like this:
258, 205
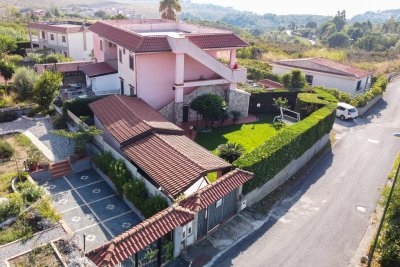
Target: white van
345, 111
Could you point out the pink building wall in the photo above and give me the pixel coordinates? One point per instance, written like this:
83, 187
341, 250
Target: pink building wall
98, 54
155, 75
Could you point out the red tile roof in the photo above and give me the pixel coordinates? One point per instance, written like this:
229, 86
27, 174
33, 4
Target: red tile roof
173, 161
127, 117
56, 27
220, 40
212, 192
130, 40
270, 83
138, 43
98, 69
140, 236
323, 65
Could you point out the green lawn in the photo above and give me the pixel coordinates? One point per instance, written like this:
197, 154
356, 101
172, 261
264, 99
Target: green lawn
250, 135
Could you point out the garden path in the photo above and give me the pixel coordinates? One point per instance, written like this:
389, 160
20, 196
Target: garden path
38, 131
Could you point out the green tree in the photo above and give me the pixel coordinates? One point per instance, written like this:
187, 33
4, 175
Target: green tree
210, 106
7, 70
101, 14
294, 79
24, 80
46, 88
118, 17
7, 44
169, 9
230, 151
338, 40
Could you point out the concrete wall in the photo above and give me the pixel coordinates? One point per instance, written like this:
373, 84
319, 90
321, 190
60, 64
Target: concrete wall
260, 192
364, 109
80, 45
125, 72
239, 100
104, 85
155, 77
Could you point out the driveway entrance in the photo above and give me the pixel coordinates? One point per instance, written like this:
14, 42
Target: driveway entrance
90, 207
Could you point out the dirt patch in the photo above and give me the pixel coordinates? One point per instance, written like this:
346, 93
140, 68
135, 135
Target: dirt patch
20, 154
43, 256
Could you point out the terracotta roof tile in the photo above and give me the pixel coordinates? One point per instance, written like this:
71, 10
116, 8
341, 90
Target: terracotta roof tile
130, 40
219, 40
137, 238
56, 27
97, 69
212, 192
270, 83
129, 117
323, 65
173, 161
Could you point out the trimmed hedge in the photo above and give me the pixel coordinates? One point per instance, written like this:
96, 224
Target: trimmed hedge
80, 107
134, 189
360, 100
271, 157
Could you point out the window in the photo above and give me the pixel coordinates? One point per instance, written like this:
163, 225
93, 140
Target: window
189, 228
120, 55
43, 35
358, 85
123, 50
65, 54
309, 79
52, 37
122, 86
63, 39
219, 202
101, 45
131, 62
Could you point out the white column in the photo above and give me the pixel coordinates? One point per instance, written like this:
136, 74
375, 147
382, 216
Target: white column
179, 68
179, 76
232, 58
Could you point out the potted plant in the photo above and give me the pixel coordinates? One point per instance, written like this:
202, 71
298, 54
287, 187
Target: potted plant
33, 157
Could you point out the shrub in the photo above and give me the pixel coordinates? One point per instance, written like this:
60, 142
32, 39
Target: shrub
80, 107
59, 122
136, 192
230, 151
12, 207
153, 205
6, 150
8, 116
30, 192
103, 161
119, 173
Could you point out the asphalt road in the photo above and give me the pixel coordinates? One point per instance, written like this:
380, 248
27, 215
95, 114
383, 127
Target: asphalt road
325, 214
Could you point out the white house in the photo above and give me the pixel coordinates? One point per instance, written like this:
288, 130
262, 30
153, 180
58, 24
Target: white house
70, 38
323, 72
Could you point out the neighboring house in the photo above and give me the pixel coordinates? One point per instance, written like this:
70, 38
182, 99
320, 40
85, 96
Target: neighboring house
171, 165
69, 38
270, 84
101, 78
168, 63
327, 73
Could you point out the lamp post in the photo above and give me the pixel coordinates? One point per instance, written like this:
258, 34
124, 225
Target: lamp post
190, 131
258, 110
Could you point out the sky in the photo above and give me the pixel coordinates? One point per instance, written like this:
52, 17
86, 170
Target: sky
314, 7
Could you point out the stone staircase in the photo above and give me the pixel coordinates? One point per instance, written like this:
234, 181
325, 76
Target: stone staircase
61, 168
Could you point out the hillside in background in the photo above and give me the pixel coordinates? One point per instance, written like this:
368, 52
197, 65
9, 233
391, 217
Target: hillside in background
377, 17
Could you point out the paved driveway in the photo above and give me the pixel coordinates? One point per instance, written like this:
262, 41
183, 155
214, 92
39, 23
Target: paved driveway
90, 207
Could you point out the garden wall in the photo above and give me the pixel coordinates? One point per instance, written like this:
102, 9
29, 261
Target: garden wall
287, 172
365, 108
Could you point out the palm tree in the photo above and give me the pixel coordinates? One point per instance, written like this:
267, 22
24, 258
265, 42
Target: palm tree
169, 9
230, 151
